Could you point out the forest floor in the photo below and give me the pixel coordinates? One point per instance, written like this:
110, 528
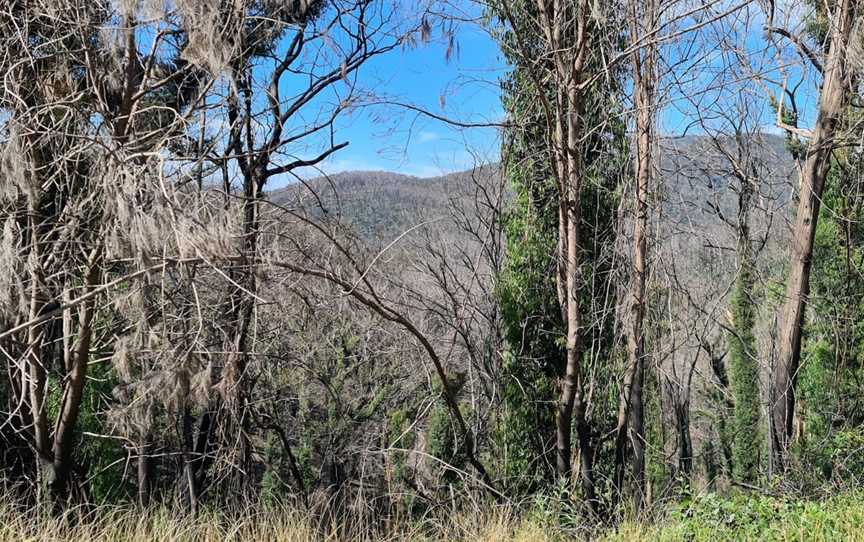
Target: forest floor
707, 518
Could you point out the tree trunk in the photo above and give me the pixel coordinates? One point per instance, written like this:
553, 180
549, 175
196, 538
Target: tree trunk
644, 82
813, 175
194, 457
685, 442
564, 26
73, 390
571, 403
33, 377
144, 485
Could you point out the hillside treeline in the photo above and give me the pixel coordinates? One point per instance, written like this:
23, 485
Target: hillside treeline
655, 290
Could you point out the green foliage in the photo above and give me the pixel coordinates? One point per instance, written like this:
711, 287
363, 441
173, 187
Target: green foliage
98, 457
443, 440
830, 380
847, 457
525, 427
305, 454
833, 350
400, 437
655, 461
817, 22
528, 299
273, 488
527, 287
444, 443
744, 367
742, 517
95, 460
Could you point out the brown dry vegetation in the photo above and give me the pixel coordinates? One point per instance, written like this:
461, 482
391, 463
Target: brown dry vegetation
604, 323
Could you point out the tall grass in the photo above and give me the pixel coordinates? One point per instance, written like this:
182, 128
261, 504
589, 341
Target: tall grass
708, 518
282, 524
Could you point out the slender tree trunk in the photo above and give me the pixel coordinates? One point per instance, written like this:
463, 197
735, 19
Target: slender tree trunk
34, 374
231, 419
571, 403
685, 442
831, 107
190, 485
569, 381
35, 378
144, 470
73, 390
562, 171
644, 82
292, 463
569, 61
193, 457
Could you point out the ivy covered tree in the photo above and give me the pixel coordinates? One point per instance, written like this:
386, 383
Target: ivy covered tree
531, 288
743, 356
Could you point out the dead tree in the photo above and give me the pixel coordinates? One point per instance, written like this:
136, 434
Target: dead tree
63, 170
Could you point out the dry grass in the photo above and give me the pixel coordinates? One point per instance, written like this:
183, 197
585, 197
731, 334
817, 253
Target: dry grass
709, 519
128, 524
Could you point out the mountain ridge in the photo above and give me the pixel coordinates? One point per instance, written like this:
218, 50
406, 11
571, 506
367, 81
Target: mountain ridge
693, 184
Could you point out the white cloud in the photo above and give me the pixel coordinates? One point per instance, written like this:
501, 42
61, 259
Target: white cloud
426, 137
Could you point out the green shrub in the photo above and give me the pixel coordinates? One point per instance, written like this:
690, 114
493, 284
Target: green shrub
747, 517
847, 457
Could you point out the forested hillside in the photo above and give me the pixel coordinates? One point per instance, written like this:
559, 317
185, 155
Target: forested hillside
640, 317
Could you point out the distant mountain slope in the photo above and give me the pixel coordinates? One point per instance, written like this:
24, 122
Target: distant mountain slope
696, 181
693, 187
381, 205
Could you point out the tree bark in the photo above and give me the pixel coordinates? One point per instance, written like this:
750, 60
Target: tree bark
144, 486
34, 375
813, 175
569, 55
73, 390
685, 442
571, 403
631, 403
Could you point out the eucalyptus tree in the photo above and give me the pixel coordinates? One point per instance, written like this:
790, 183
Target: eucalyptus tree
563, 156
834, 65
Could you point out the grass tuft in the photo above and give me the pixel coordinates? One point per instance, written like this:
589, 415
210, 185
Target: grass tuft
706, 518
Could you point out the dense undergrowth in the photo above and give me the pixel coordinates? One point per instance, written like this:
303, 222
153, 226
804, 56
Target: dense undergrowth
705, 518
712, 518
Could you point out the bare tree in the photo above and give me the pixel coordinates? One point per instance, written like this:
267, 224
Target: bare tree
78, 121
642, 20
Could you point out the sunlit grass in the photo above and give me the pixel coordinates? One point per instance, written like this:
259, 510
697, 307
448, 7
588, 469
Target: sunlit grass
709, 518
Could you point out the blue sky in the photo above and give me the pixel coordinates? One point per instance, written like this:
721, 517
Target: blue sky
709, 77
465, 87
396, 139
